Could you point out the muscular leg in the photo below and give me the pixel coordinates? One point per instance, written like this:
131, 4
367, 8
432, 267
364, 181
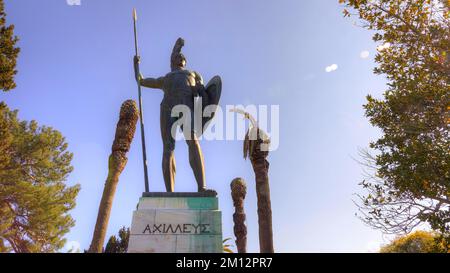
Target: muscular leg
168, 165
168, 160
196, 162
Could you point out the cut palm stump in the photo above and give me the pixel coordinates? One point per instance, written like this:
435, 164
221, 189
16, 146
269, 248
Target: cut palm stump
238, 192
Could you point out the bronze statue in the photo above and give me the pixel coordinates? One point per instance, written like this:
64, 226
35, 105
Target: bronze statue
181, 87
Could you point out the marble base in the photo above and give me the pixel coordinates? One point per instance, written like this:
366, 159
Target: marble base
176, 223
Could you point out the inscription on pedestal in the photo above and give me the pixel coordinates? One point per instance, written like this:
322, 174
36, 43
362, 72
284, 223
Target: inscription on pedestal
177, 229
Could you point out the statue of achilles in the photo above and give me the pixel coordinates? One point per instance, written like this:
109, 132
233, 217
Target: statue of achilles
180, 87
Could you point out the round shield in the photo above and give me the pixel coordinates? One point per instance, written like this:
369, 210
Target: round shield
213, 91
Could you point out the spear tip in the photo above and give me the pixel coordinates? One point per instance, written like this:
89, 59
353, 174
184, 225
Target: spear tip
134, 14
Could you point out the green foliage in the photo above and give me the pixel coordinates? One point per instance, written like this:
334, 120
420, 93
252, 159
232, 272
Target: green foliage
411, 181
34, 200
416, 242
227, 247
8, 52
118, 244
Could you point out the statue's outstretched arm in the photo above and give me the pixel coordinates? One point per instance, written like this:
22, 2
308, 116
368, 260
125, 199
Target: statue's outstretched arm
146, 82
153, 82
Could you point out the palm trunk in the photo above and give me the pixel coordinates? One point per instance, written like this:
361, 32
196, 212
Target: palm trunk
261, 169
238, 192
117, 161
256, 146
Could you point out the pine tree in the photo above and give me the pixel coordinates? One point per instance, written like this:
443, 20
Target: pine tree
34, 199
8, 52
118, 244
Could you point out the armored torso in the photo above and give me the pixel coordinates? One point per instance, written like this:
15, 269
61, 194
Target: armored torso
178, 88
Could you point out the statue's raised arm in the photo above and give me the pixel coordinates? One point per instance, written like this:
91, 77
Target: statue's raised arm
146, 82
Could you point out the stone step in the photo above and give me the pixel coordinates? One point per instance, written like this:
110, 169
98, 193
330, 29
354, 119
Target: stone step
175, 244
191, 203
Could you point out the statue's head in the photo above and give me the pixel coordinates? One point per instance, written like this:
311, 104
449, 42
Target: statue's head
177, 59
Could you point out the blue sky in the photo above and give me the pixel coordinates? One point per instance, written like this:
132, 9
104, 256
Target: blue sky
75, 70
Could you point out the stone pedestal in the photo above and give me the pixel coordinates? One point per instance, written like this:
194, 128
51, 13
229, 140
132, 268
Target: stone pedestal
176, 223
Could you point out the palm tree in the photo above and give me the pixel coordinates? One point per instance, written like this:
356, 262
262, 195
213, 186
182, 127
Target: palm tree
238, 192
256, 147
117, 160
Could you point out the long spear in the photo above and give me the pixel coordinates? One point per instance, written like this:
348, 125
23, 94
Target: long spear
144, 153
